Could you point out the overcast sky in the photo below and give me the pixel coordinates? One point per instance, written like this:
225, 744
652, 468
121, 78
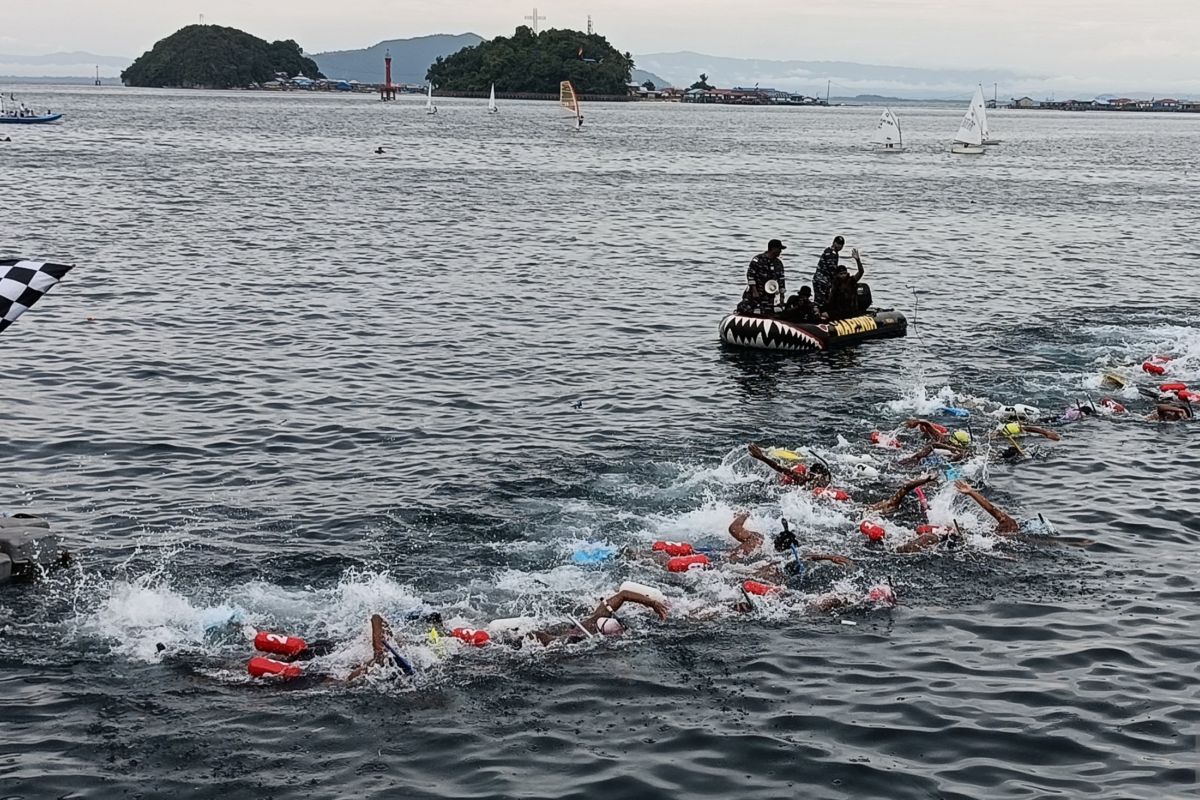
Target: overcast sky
1134, 43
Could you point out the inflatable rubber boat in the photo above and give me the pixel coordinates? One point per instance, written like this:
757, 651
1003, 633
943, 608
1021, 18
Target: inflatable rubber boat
26, 544
773, 333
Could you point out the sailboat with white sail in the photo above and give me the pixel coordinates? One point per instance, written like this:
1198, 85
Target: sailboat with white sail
492, 109
981, 112
569, 100
888, 136
430, 108
969, 139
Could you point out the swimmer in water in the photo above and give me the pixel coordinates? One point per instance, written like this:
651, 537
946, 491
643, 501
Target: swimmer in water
749, 542
1169, 412
881, 596
892, 504
379, 150
382, 653
601, 622
817, 475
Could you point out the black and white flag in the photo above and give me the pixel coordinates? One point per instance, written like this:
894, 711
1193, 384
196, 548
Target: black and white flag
22, 283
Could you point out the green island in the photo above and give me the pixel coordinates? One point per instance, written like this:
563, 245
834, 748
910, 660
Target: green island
536, 63
215, 57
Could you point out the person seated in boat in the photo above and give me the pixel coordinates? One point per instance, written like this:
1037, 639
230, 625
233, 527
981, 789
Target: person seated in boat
827, 266
764, 282
801, 308
843, 294
601, 622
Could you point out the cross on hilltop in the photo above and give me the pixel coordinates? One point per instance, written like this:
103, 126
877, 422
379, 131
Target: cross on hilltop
534, 18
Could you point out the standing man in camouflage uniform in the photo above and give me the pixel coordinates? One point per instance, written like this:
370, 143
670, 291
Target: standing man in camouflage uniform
826, 268
759, 299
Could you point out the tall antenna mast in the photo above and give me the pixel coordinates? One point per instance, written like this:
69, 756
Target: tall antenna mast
590, 25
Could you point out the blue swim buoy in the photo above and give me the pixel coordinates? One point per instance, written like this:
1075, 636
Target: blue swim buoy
590, 556
954, 412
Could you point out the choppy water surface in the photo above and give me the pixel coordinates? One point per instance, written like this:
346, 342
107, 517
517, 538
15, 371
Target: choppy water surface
320, 383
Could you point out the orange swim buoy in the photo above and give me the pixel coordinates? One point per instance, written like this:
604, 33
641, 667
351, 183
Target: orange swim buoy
688, 563
832, 494
263, 667
471, 636
674, 548
872, 531
1153, 369
279, 644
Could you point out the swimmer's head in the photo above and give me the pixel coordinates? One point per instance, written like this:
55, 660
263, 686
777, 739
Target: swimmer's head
1011, 429
785, 540
819, 475
961, 437
609, 626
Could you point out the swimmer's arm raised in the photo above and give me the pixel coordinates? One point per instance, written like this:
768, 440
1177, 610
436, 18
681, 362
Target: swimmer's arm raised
610, 606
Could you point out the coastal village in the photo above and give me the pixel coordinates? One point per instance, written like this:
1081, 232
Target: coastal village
737, 95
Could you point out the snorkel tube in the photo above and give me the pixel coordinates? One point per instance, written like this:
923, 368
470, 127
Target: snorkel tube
400, 660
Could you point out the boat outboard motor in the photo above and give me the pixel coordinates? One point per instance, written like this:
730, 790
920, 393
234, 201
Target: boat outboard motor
864, 297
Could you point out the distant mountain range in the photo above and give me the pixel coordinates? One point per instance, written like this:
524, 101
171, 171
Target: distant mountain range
810, 77
410, 58
63, 65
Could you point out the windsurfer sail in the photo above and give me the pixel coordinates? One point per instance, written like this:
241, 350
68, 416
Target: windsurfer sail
22, 283
570, 101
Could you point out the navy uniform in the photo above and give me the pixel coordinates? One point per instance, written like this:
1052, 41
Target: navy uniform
822, 280
764, 267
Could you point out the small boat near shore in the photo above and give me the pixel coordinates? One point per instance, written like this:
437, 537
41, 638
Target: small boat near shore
14, 113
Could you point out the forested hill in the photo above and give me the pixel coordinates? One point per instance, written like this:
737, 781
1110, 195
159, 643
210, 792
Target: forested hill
214, 57
536, 63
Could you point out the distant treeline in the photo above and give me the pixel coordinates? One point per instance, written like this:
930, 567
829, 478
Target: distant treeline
215, 57
536, 64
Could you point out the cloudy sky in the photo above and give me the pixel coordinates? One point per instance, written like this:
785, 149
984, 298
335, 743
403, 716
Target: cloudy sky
1134, 43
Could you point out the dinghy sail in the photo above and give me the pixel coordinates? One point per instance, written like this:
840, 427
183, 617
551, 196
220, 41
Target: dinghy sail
430, 108
969, 139
492, 101
888, 134
570, 101
980, 107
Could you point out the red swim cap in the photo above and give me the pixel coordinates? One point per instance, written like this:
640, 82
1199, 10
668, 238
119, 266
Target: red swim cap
872, 531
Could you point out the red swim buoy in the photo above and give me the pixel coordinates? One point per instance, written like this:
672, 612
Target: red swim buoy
1173, 387
760, 589
279, 644
263, 667
688, 563
872, 531
1112, 405
798, 471
941, 429
1188, 396
1153, 369
471, 636
832, 494
923, 529
674, 548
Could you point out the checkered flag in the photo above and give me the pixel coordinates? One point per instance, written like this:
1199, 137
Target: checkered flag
22, 283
